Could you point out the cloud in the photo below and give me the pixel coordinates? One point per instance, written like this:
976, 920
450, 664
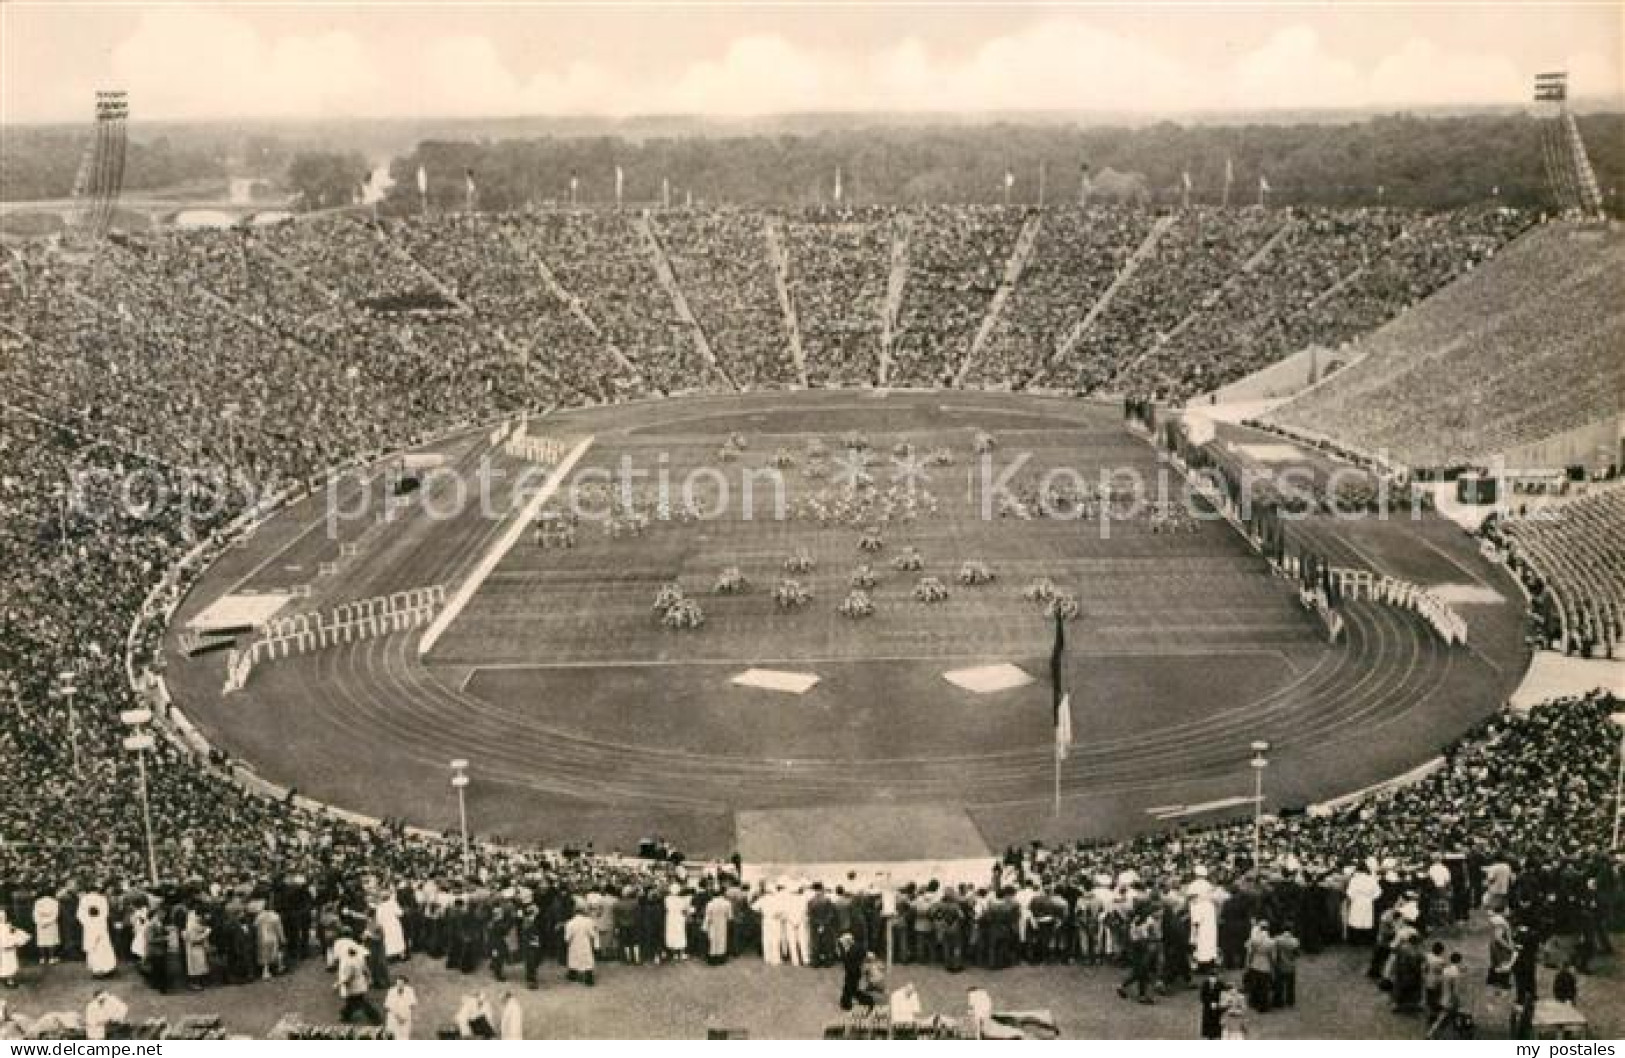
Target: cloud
189, 61
1421, 72
198, 62
1065, 64
462, 75
762, 74
1291, 64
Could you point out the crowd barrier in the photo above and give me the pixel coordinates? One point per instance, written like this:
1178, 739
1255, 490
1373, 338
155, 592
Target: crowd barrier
1390, 591
1374, 461
519, 444
349, 622
1351, 583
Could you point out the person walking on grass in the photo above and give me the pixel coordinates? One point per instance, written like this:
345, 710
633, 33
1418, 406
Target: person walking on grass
1287, 949
352, 984
580, 958
1450, 1014
399, 1006
1211, 998
1260, 967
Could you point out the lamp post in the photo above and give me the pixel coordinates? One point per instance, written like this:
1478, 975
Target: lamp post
68, 686
1619, 778
1259, 762
459, 782
139, 741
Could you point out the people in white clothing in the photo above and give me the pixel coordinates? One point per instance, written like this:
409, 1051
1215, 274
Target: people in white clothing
399, 1006
103, 1009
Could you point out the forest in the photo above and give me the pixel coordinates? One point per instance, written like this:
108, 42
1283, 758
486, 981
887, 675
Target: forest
1432, 163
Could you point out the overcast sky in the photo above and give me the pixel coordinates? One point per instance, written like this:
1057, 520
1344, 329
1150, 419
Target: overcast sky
468, 59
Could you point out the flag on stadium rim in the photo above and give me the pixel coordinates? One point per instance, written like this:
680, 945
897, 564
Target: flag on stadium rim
1009, 179
1063, 727
1186, 177
837, 183
1263, 182
423, 180
620, 184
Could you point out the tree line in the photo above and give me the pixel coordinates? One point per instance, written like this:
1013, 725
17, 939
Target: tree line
1432, 163
1402, 160
41, 163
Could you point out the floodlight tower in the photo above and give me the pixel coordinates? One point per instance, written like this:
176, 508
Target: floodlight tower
1568, 168
101, 168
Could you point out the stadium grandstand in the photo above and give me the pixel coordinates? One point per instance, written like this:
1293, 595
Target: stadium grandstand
1571, 559
279, 353
1516, 365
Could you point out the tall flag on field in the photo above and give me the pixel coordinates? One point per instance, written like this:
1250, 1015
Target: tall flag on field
837, 185
1062, 699
1263, 187
1185, 181
665, 192
468, 188
1229, 178
423, 189
574, 184
620, 186
1086, 186
1009, 182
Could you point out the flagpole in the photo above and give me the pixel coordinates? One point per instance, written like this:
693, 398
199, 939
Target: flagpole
1057, 786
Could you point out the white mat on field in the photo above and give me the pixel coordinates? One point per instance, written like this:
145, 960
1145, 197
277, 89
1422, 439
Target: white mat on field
776, 680
988, 679
239, 611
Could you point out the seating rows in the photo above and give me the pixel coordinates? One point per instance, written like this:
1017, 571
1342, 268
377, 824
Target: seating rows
1524, 347
1576, 549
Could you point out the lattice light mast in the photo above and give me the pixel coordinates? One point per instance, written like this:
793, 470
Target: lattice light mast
101, 168
1568, 168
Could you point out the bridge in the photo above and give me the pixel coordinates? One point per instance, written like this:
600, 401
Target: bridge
157, 211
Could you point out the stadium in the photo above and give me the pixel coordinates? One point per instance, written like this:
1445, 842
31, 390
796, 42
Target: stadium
514, 586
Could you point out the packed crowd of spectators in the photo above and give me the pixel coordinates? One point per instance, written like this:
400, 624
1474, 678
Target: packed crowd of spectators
1192, 259
1521, 350
725, 265
604, 262
1571, 557
956, 261
1266, 307
839, 265
136, 349
568, 307
493, 267
1077, 255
